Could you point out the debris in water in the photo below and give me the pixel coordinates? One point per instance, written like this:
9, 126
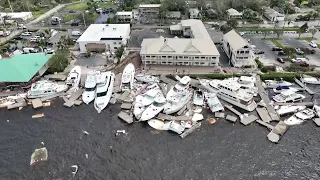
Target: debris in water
197, 117
156, 124
38, 115
42, 143
85, 132
46, 104
74, 170
87, 156
120, 131
8, 120
212, 120
20, 108
39, 155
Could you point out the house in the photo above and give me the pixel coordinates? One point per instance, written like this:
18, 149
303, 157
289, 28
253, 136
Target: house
124, 16
174, 15
234, 14
197, 50
21, 68
104, 37
237, 49
273, 15
149, 13
194, 13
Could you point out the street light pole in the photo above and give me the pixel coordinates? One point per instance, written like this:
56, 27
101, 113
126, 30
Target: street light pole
84, 21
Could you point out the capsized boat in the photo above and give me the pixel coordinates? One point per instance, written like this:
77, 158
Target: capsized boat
213, 102
74, 170
156, 124
309, 79
104, 90
73, 79
300, 117
288, 96
39, 155
127, 78
45, 88
154, 109
147, 78
280, 89
198, 98
90, 87
283, 110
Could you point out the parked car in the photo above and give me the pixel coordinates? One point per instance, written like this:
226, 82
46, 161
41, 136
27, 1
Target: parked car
13, 49
21, 26
26, 34
299, 51
276, 49
258, 52
308, 51
49, 44
282, 53
49, 51
18, 38
280, 60
298, 60
304, 64
313, 44
74, 22
72, 11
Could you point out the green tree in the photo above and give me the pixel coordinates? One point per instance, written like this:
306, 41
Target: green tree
289, 51
233, 23
58, 62
315, 15
300, 32
279, 33
313, 31
119, 52
304, 27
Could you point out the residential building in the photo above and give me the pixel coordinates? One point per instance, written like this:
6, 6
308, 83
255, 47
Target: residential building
149, 13
273, 15
124, 16
197, 50
21, 68
194, 13
234, 14
104, 37
237, 49
174, 15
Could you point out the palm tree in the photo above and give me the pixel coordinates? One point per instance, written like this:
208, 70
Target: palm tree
313, 31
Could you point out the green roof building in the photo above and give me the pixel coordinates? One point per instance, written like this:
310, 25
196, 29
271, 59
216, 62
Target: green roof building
23, 67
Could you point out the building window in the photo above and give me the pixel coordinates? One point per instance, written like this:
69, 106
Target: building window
115, 47
147, 62
147, 56
247, 52
114, 42
241, 52
238, 52
245, 57
119, 42
203, 57
240, 57
169, 56
180, 57
213, 57
153, 56
153, 62
186, 57
196, 63
163, 57
196, 57
186, 62
202, 63
213, 64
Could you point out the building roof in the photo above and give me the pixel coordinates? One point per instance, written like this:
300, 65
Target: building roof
271, 12
176, 27
149, 5
194, 11
233, 12
235, 40
124, 13
97, 31
179, 46
199, 31
22, 67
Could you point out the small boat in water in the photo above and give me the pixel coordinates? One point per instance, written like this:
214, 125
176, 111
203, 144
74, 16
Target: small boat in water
127, 78
277, 83
104, 90
147, 78
300, 117
45, 88
154, 109
288, 96
198, 98
309, 79
213, 102
280, 89
283, 110
73, 79
90, 87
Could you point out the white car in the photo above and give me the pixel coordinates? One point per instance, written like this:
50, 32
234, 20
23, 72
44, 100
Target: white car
49, 51
313, 44
299, 60
26, 34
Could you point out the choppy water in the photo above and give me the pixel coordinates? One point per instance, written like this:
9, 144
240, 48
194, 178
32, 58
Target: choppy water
221, 151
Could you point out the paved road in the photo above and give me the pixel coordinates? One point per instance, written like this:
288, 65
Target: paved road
13, 34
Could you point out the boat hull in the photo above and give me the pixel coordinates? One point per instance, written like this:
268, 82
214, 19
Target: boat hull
102, 102
88, 97
249, 107
127, 77
171, 107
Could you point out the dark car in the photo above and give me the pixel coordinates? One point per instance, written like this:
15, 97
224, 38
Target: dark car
304, 64
276, 49
49, 44
280, 60
72, 11
281, 53
259, 52
74, 22
18, 38
12, 41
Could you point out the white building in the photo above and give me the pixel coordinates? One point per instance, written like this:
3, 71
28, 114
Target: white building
198, 50
237, 49
19, 16
124, 16
104, 36
273, 15
194, 13
234, 14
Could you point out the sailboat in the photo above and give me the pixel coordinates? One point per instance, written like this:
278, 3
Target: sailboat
104, 90
90, 87
127, 78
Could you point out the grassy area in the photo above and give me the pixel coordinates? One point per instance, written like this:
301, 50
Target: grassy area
274, 41
267, 29
68, 18
306, 38
104, 4
78, 6
39, 12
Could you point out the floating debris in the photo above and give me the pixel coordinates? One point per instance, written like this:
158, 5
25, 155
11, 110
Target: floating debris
85, 132
212, 120
87, 156
38, 115
39, 155
120, 131
156, 124
197, 117
74, 170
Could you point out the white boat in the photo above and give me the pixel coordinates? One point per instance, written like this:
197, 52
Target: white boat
90, 87
213, 102
247, 84
73, 79
283, 110
206, 84
104, 90
175, 103
4, 102
181, 87
280, 89
300, 117
45, 88
156, 124
277, 83
288, 96
198, 98
316, 108
232, 93
176, 127
154, 109
309, 79
147, 78
127, 78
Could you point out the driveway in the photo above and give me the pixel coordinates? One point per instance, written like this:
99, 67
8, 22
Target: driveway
93, 61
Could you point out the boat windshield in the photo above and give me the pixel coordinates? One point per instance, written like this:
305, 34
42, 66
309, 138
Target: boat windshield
149, 97
175, 89
157, 104
90, 89
102, 94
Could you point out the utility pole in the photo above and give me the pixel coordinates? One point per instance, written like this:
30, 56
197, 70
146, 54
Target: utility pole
10, 6
84, 21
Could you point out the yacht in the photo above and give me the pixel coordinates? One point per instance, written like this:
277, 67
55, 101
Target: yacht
45, 88
309, 79
104, 90
127, 78
277, 83
147, 78
211, 86
247, 84
232, 93
177, 101
181, 87
213, 102
90, 87
73, 79
300, 117
154, 109
198, 98
283, 110
280, 89
288, 96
